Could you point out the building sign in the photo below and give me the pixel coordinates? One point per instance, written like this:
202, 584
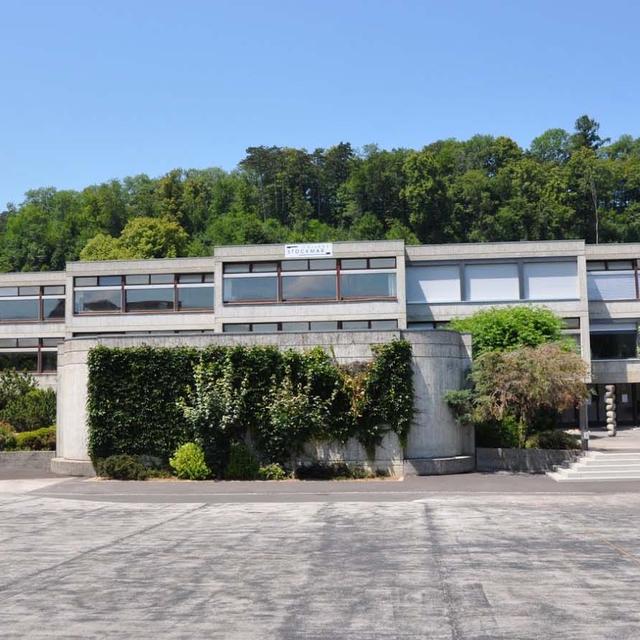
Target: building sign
317, 250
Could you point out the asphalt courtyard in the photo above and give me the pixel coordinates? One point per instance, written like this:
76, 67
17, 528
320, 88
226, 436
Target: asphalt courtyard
465, 557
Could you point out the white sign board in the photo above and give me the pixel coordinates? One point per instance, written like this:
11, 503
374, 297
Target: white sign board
316, 250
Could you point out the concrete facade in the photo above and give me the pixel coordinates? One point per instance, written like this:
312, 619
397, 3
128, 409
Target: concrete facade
440, 361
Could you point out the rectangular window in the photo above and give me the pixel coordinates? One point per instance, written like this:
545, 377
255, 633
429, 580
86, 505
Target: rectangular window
19, 310
92, 301
248, 289
49, 361
295, 327
157, 299
265, 327
617, 344
53, 308
194, 298
355, 325
309, 287
439, 283
382, 325
611, 285
367, 285
550, 280
492, 282
236, 328
323, 326
20, 361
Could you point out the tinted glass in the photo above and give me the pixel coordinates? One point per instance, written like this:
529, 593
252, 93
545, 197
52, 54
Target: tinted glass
19, 309
382, 263
109, 281
195, 298
236, 328
207, 277
85, 281
294, 265
57, 290
49, 361
323, 326
295, 326
97, 301
144, 279
322, 265
596, 265
29, 291
571, 323
237, 267
309, 287
265, 327
53, 308
263, 267
617, 265
251, 289
613, 345
28, 342
149, 299
8, 343
368, 285
355, 325
384, 324
355, 263
8, 291
51, 342
188, 278
161, 278
19, 361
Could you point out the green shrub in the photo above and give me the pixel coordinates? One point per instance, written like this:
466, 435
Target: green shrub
242, 463
188, 462
121, 467
331, 471
39, 440
7, 437
553, 440
13, 385
33, 410
272, 471
502, 434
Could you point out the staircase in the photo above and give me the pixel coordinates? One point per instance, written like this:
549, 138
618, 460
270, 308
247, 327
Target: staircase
598, 466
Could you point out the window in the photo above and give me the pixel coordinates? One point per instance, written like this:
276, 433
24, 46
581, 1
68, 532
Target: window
613, 340
550, 280
298, 327
611, 285
433, 284
492, 282
143, 293
35, 355
310, 280
32, 303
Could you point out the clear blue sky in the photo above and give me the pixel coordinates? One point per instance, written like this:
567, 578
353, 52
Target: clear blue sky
96, 90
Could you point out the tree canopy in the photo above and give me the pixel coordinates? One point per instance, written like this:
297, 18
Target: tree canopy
567, 184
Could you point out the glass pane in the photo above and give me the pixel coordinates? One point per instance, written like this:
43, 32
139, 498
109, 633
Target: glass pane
323, 326
161, 278
57, 290
51, 342
207, 277
195, 298
550, 280
384, 324
149, 299
322, 265
619, 265
236, 328
97, 301
309, 287
109, 281
19, 310
264, 267
265, 327
489, 282
53, 308
251, 289
571, 323
8, 291
596, 265
238, 267
8, 343
382, 263
28, 342
440, 283
368, 285
190, 278
613, 345
355, 325
295, 326
354, 263
28, 291
294, 265
49, 361
19, 361
611, 285
137, 279
86, 281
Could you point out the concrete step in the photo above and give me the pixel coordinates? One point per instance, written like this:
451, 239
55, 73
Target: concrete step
601, 478
600, 467
605, 469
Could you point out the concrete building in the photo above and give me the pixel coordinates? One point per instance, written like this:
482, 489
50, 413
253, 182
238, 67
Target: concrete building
335, 287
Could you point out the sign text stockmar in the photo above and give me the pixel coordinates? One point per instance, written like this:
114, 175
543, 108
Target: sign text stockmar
316, 250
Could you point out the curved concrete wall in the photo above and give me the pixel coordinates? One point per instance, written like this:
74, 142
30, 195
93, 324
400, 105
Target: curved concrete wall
440, 361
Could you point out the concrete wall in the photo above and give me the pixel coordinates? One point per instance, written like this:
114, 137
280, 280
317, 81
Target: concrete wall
439, 364
523, 460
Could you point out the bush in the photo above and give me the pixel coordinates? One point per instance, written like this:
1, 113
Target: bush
33, 410
188, 462
504, 433
7, 437
39, 440
121, 467
13, 385
331, 471
272, 472
242, 463
553, 440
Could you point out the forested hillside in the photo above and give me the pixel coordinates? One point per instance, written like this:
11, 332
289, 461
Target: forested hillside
566, 185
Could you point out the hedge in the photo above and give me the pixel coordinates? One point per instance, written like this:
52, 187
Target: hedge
150, 400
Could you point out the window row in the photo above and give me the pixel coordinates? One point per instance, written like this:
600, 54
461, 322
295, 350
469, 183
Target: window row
34, 355
144, 293
322, 264
613, 285
493, 282
33, 307
310, 286
294, 327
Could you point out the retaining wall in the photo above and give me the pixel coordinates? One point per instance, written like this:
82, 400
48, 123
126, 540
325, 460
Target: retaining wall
523, 460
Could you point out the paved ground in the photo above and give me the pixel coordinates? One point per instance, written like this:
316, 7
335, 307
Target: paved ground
395, 560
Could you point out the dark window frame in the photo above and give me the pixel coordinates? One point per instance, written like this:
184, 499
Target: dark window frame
38, 350
39, 297
339, 324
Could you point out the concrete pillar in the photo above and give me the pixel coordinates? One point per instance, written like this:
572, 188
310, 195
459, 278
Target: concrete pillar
610, 408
